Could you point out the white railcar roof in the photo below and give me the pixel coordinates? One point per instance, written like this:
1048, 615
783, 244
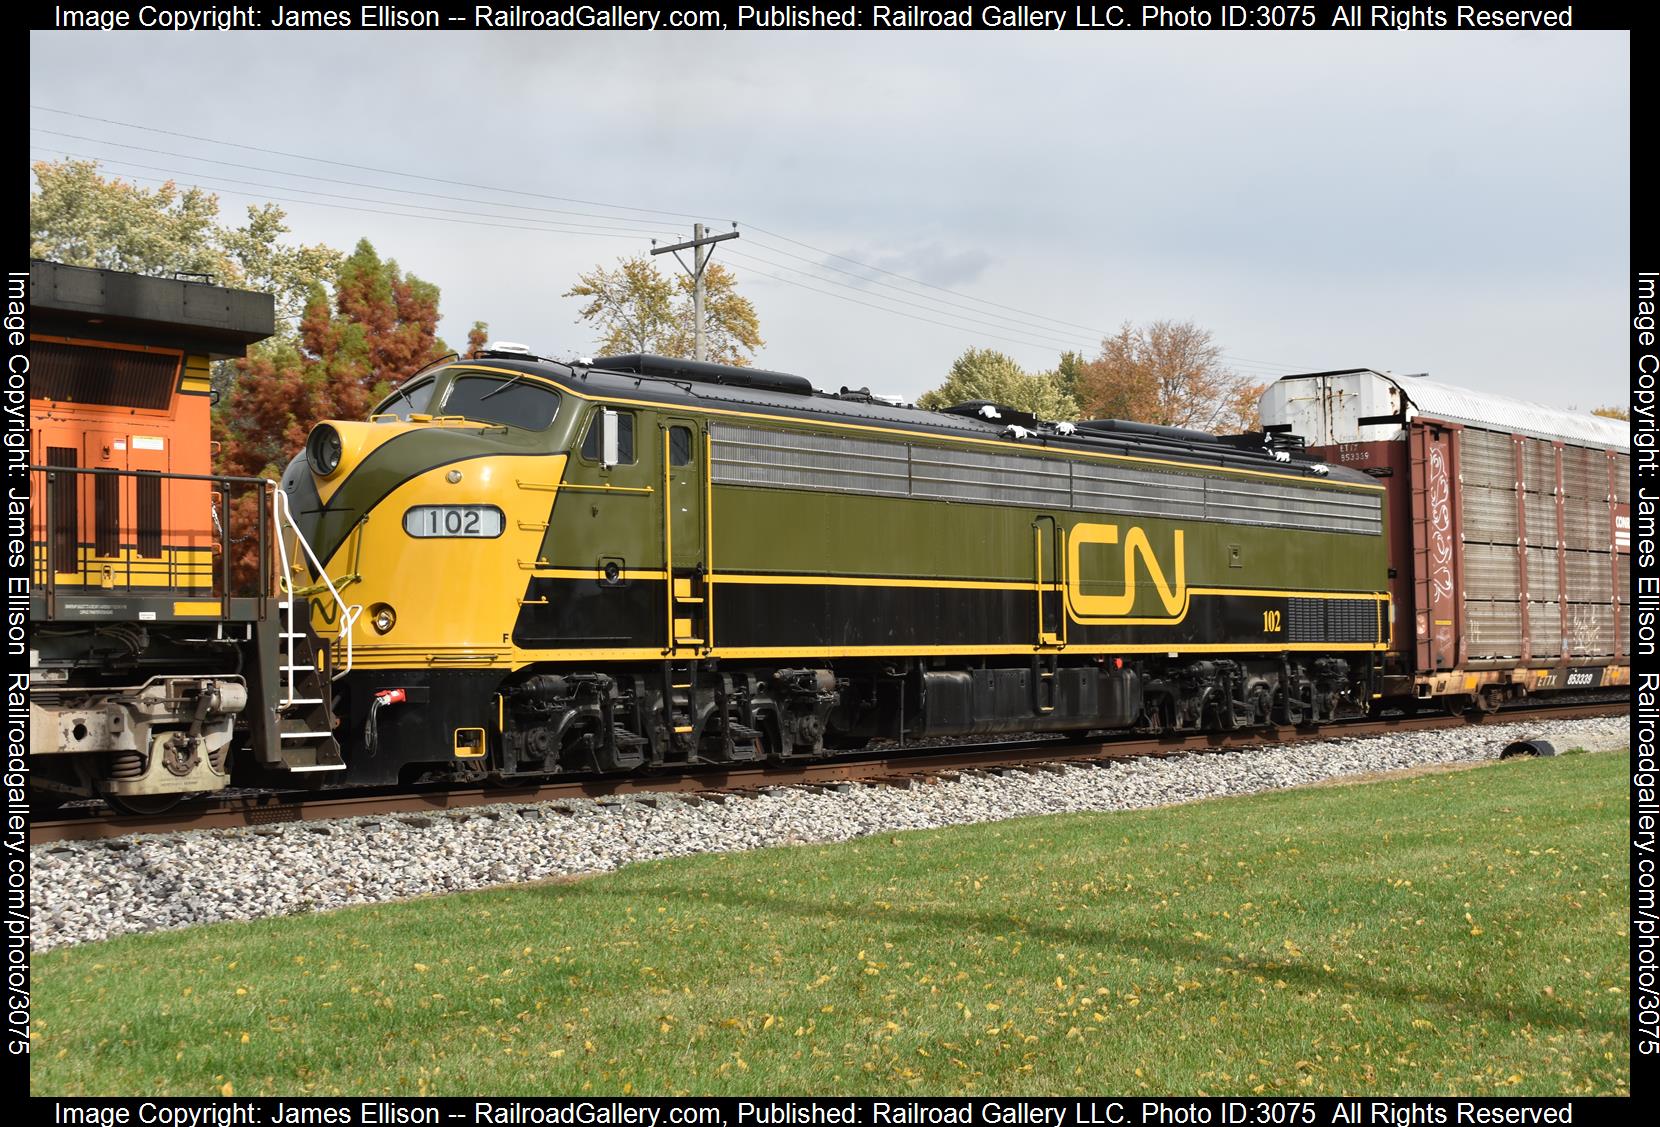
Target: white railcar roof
1491, 411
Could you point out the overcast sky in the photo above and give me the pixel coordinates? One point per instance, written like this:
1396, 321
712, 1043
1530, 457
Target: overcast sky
1456, 203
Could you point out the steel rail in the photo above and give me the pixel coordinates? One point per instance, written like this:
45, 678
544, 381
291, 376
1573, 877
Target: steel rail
887, 766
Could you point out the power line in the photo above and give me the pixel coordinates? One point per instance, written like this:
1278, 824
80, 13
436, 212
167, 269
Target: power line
1264, 366
360, 199
655, 224
359, 167
976, 326
124, 163
984, 301
1054, 343
895, 312
930, 285
1023, 325
399, 214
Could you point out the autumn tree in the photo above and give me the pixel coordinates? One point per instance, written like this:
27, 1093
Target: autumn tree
1613, 413
477, 337
637, 309
1170, 373
379, 328
79, 218
985, 373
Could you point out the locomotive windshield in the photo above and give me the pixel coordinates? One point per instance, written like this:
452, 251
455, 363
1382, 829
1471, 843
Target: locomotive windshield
512, 401
407, 401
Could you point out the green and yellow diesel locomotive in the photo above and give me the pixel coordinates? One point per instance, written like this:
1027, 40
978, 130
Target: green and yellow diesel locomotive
640, 562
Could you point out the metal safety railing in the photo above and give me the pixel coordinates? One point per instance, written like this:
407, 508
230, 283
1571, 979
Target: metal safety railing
283, 516
147, 532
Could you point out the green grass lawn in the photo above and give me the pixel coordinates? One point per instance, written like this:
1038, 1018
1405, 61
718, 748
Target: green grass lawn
1455, 932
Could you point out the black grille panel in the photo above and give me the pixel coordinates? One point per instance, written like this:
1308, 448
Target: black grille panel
65, 510
106, 515
116, 377
149, 514
1331, 620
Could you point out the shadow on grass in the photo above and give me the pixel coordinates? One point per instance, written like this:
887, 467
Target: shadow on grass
1175, 949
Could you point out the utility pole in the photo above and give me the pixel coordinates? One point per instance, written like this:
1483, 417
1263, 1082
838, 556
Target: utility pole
699, 246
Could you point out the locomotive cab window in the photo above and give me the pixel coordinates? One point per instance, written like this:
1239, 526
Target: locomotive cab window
508, 401
625, 437
407, 401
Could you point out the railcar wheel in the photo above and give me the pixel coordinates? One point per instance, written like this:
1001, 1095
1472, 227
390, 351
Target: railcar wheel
146, 805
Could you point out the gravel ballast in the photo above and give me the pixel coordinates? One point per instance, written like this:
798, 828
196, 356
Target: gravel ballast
88, 890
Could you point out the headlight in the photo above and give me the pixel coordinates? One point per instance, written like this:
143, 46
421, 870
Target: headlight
382, 618
323, 450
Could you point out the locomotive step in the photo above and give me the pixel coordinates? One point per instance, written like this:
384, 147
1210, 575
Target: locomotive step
304, 736
318, 767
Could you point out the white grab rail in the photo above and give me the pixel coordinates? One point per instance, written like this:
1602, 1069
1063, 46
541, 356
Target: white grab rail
283, 517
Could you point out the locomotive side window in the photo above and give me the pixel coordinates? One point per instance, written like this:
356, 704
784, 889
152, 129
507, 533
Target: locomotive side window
680, 446
625, 438
407, 401
513, 401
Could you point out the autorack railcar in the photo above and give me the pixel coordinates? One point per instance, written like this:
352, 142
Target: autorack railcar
638, 561
1510, 552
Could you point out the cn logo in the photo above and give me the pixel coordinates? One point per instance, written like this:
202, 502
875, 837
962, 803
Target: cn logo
1169, 587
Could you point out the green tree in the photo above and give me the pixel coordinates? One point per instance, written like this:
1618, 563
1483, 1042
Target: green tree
1170, 373
637, 309
79, 218
985, 373
1068, 371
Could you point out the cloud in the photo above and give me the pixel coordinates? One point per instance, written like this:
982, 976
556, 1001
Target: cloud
929, 262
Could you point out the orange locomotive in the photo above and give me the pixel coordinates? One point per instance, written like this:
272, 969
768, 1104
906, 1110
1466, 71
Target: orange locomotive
150, 655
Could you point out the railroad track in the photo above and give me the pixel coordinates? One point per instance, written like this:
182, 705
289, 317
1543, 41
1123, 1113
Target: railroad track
881, 767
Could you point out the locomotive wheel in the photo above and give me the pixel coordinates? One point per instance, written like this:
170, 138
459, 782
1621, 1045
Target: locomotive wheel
145, 805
